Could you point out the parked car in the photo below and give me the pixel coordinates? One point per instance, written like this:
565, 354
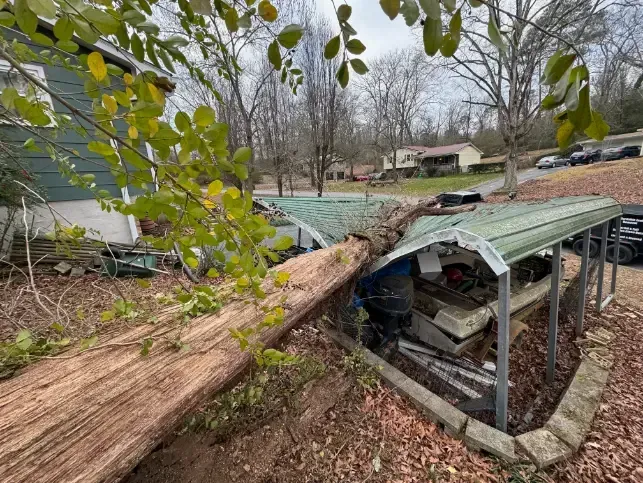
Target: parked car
585, 157
378, 176
551, 162
621, 152
361, 177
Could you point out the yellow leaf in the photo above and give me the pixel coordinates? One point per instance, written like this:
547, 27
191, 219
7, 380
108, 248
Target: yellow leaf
154, 126
215, 187
157, 95
209, 204
110, 104
452, 470
132, 132
129, 92
97, 66
128, 79
233, 192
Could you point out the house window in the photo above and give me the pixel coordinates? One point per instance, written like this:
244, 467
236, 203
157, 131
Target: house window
329, 176
10, 77
407, 158
340, 175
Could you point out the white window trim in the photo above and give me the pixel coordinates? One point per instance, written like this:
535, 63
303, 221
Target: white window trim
36, 71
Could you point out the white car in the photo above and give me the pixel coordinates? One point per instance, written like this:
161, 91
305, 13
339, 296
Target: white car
551, 162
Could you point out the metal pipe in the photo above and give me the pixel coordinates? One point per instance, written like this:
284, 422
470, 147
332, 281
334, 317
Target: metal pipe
299, 236
601, 266
502, 362
607, 301
617, 246
554, 302
580, 315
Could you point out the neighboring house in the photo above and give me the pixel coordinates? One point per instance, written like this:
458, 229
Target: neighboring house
74, 204
455, 157
615, 141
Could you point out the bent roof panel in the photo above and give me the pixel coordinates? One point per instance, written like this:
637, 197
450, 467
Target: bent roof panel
507, 233
329, 220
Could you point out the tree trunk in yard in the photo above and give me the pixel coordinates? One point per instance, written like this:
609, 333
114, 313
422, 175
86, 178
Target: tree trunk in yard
92, 417
511, 167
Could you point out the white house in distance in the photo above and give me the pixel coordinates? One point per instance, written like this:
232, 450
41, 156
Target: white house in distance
455, 157
615, 141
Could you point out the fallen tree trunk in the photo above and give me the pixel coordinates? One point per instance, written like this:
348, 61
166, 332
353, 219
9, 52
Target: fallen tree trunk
93, 416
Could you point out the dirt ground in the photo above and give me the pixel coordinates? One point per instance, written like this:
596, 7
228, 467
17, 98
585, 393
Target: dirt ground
622, 180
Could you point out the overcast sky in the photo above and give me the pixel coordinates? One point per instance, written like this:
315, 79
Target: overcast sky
374, 28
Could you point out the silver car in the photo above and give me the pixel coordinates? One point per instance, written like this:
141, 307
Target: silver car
551, 162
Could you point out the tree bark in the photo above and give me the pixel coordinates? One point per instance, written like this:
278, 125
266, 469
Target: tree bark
511, 167
92, 417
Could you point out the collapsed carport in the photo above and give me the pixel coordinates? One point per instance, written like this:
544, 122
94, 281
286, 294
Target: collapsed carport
503, 235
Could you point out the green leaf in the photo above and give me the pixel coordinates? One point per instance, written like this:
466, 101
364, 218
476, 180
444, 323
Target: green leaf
358, 66
475, 3
43, 8
355, 47
564, 134
581, 117
242, 155
8, 97
215, 187
274, 55
432, 36
431, 8
344, 12
290, 35
67, 46
241, 171
231, 20
390, 7
100, 148
212, 273
598, 129
7, 19
85, 31
343, 75
143, 283
27, 20
449, 46
450, 5
64, 28
133, 17
24, 339
203, 116
41, 39
182, 121
146, 345
244, 21
494, 34
410, 11
149, 28
201, 7
455, 25
556, 67
283, 243
57, 327
102, 20
107, 316
89, 342
137, 47
122, 98
332, 48
550, 102
572, 96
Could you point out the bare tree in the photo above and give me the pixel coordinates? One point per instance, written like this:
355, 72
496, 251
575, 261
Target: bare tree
508, 78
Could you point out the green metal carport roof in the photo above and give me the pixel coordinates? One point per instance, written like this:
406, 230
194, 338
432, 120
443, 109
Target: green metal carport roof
328, 220
506, 233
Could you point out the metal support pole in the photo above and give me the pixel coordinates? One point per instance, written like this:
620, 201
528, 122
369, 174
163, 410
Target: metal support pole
299, 236
554, 300
601, 266
502, 362
583, 284
617, 246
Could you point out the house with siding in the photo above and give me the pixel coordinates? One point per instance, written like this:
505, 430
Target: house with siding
451, 158
69, 202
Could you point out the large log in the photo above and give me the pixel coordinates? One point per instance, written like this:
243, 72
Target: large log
92, 417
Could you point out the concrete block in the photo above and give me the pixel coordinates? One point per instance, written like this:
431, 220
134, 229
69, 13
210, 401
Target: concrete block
77, 272
441, 411
480, 436
63, 268
543, 448
573, 417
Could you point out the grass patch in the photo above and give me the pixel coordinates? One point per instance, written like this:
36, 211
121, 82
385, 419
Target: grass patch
416, 186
